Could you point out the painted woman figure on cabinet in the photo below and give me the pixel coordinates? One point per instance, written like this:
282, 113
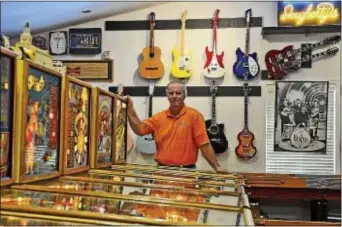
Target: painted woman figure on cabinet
104, 146
121, 127
41, 132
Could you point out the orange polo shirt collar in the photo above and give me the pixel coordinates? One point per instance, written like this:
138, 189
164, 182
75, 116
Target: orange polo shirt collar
182, 112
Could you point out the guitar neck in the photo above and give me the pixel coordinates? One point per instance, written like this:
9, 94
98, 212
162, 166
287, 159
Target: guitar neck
246, 112
215, 38
307, 57
247, 41
150, 106
213, 109
182, 39
151, 38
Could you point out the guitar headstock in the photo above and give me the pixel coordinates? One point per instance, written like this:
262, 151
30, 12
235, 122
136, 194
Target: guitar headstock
120, 89
216, 16
184, 15
332, 50
246, 89
150, 89
213, 88
152, 18
248, 15
332, 39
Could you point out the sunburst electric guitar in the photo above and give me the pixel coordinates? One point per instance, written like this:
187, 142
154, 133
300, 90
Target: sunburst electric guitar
151, 66
181, 66
214, 67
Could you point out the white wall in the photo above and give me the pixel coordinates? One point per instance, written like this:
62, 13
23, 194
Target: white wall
125, 47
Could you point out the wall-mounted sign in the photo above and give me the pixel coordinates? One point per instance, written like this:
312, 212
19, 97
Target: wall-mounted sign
309, 13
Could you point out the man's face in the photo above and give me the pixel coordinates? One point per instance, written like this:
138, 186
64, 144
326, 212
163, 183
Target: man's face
175, 95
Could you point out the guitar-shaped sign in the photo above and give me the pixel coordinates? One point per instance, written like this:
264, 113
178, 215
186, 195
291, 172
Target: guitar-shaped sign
246, 66
215, 131
151, 66
214, 67
181, 66
279, 70
146, 143
276, 60
130, 141
245, 149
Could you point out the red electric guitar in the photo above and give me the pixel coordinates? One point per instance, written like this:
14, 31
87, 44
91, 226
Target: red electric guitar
214, 67
281, 62
246, 149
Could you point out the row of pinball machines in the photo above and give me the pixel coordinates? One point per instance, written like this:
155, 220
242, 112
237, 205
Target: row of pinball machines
63, 161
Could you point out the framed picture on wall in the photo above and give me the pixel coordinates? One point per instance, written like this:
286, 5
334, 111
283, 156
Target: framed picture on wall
8, 108
85, 40
301, 116
41, 122
77, 126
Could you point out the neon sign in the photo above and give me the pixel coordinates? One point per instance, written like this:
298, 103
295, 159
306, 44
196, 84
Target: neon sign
309, 13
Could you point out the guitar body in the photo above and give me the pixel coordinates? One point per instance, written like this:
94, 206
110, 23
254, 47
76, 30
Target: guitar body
213, 67
245, 149
151, 66
181, 66
272, 65
146, 144
245, 67
217, 137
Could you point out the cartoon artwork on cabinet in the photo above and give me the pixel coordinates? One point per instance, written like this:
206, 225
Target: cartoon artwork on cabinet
301, 116
120, 130
104, 127
77, 119
42, 109
7, 76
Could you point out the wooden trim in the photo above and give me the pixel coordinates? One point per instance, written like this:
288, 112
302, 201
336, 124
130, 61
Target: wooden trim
8, 52
274, 222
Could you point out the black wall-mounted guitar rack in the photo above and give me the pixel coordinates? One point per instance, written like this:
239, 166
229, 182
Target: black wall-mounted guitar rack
199, 91
239, 22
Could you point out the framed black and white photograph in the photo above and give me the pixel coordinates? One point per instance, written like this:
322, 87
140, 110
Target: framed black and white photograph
301, 116
85, 40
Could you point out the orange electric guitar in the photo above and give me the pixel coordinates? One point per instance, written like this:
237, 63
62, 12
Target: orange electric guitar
246, 149
151, 66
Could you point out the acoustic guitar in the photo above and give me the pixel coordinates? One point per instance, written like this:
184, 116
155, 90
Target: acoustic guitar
146, 144
246, 66
151, 66
246, 150
214, 67
215, 131
130, 141
181, 66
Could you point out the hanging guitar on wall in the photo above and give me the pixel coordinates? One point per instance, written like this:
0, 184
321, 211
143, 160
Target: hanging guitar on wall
281, 62
181, 66
215, 131
146, 143
245, 150
151, 66
246, 66
214, 67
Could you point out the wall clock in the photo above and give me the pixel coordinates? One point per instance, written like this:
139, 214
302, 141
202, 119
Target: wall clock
58, 42
85, 40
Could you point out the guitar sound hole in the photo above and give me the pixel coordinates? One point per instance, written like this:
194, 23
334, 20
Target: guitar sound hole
214, 130
151, 55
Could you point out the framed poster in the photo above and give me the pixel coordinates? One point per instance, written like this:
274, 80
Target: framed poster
41, 122
104, 136
301, 116
8, 108
85, 40
120, 124
76, 126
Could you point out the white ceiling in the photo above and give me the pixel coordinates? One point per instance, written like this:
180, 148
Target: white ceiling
45, 16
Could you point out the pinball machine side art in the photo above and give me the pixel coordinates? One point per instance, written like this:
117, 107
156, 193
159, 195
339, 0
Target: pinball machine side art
77, 127
39, 114
120, 125
7, 123
103, 115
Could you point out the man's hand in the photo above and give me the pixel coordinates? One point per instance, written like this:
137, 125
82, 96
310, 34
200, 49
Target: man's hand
222, 170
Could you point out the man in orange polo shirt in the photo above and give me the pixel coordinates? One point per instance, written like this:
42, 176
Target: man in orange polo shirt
179, 131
